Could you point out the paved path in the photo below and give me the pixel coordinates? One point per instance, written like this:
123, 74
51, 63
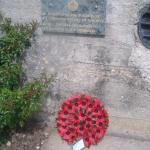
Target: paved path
123, 134
109, 143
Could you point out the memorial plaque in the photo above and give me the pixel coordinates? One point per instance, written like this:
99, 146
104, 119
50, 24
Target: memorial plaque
74, 16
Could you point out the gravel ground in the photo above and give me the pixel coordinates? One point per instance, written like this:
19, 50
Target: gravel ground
32, 136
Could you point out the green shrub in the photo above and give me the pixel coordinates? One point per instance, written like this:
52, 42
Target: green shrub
18, 105
10, 75
16, 38
18, 100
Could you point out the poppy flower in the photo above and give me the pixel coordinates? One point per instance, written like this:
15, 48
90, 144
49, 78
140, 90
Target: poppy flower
64, 114
83, 103
88, 97
74, 121
96, 111
105, 113
92, 138
88, 126
82, 117
87, 141
68, 108
81, 131
72, 99
62, 121
68, 136
106, 123
75, 106
102, 120
62, 130
75, 125
99, 132
88, 119
97, 101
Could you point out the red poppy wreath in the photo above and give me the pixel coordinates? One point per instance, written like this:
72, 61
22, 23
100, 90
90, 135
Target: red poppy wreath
82, 117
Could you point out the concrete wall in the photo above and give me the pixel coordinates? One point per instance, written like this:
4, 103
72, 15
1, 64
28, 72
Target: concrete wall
115, 68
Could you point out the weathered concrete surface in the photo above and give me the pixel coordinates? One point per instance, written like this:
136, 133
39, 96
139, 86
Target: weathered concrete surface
115, 68
108, 143
129, 128
123, 133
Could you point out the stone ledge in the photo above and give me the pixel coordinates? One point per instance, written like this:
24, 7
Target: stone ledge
129, 128
108, 143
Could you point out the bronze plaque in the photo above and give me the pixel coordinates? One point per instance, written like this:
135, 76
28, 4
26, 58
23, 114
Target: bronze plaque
85, 17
